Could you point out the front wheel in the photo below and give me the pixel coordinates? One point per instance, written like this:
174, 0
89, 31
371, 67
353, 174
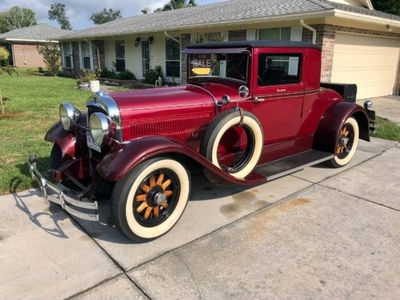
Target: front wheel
149, 201
347, 143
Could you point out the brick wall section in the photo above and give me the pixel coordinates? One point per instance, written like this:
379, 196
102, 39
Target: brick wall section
75, 58
237, 35
26, 55
185, 40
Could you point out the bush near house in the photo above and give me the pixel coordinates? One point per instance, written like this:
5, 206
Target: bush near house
51, 57
153, 74
126, 75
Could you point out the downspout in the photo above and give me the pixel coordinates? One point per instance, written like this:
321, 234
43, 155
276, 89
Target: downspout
98, 53
172, 38
314, 36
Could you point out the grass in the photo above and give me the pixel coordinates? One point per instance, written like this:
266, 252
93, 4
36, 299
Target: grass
387, 130
33, 108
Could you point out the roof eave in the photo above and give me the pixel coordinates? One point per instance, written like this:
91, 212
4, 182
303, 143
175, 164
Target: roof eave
29, 40
365, 18
269, 19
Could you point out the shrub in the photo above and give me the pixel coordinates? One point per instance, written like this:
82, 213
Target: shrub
126, 75
51, 57
4, 55
153, 74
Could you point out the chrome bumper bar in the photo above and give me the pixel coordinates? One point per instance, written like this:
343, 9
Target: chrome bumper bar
57, 194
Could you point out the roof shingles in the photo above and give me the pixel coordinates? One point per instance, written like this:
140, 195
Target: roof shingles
38, 32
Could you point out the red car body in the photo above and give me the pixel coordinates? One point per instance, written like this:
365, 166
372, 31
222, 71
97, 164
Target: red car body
280, 123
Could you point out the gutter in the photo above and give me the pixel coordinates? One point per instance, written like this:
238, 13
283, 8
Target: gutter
366, 18
30, 40
314, 32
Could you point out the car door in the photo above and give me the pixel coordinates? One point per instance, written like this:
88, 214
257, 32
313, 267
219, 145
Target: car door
278, 94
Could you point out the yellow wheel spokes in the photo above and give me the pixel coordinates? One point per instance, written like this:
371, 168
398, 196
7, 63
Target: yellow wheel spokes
343, 134
144, 208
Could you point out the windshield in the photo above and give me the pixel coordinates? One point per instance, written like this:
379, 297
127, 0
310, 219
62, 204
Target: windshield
230, 65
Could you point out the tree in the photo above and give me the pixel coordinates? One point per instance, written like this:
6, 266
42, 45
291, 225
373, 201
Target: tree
5, 68
51, 57
57, 12
388, 6
105, 16
15, 18
171, 5
177, 4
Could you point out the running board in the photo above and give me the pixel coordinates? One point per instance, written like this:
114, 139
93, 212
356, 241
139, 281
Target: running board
292, 164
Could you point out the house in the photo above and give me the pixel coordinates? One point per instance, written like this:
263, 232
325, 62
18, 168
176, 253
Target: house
22, 43
360, 45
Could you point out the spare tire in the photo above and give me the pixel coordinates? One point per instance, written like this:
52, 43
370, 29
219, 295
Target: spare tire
229, 119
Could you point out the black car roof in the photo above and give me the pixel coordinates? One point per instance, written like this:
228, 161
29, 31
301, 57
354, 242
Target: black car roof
255, 44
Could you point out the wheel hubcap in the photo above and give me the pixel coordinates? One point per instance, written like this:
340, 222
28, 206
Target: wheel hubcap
153, 195
344, 144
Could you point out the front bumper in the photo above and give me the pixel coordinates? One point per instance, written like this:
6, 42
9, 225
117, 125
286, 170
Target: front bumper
57, 193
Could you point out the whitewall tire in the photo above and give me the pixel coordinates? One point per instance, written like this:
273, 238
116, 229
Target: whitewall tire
150, 200
220, 126
347, 143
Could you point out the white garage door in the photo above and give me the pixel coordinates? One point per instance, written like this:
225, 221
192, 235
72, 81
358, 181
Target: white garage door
370, 62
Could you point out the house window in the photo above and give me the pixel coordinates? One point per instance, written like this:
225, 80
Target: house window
278, 34
120, 56
278, 69
172, 58
85, 55
67, 54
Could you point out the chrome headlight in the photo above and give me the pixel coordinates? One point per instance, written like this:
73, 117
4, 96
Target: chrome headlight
69, 115
101, 127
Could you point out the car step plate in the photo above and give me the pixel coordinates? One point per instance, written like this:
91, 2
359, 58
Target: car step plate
292, 164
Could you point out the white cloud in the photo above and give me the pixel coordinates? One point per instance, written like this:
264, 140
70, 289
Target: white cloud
79, 11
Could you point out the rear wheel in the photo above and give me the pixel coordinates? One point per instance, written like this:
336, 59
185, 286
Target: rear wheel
150, 200
346, 145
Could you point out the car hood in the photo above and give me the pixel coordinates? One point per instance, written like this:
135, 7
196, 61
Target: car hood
178, 96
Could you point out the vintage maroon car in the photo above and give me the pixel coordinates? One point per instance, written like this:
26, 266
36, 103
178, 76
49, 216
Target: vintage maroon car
251, 112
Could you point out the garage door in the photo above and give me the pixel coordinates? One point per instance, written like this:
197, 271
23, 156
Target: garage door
370, 62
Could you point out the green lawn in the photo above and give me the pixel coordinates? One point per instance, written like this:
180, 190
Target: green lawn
33, 108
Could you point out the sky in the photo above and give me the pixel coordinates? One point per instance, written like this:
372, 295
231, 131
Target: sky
79, 11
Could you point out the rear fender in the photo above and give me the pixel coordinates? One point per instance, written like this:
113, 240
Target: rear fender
117, 163
332, 121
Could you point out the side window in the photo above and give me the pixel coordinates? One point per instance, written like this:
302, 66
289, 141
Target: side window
120, 56
276, 69
67, 52
172, 58
85, 55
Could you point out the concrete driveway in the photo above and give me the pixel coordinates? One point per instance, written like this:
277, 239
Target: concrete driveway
317, 234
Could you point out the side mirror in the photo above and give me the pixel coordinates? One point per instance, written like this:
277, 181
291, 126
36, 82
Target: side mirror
243, 91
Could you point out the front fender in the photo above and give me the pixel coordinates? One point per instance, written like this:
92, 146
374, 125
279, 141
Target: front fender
66, 140
332, 121
117, 163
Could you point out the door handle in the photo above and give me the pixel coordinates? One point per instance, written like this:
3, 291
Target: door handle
258, 100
